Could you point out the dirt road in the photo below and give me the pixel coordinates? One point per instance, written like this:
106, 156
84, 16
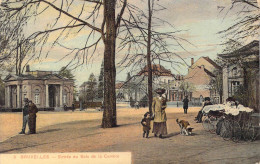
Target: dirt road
84, 134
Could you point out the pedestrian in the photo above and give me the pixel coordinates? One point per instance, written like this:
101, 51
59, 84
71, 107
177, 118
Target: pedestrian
200, 114
159, 115
146, 124
32, 117
73, 107
137, 105
25, 115
185, 104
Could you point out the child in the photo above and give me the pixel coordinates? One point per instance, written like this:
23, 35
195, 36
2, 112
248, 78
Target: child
146, 124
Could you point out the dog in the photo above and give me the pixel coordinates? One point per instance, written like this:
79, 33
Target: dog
186, 129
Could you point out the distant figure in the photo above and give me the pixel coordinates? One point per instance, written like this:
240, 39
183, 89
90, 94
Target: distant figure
185, 104
200, 114
159, 114
73, 107
137, 105
146, 124
80, 106
25, 115
32, 117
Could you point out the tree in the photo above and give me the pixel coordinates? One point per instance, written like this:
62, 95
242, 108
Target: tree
246, 24
216, 83
91, 88
101, 82
64, 72
13, 46
186, 87
107, 31
150, 35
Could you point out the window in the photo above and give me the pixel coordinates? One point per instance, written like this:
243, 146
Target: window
64, 99
234, 71
37, 96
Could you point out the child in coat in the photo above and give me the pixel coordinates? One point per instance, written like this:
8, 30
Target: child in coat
146, 124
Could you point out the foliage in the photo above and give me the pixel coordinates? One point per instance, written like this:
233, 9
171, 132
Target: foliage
187, 87
91, 88
241, 95
101, 82
64, 72
67, 73
216, 83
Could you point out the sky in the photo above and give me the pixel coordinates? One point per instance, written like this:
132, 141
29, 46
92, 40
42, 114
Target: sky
201, 20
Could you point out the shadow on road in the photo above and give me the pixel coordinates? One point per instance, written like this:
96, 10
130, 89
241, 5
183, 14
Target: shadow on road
49, 130
171, 135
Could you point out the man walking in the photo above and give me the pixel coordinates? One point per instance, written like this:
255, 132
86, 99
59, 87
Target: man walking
32, 117
25, 115
185, 104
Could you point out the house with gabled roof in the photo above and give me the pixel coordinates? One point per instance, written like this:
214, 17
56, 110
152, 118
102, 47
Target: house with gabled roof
199, 75
46, 89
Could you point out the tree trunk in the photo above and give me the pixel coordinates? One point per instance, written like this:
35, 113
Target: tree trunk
17, 57
109, 114
245, 73
149, 65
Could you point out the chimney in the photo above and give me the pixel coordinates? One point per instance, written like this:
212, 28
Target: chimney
192, 61
27, 68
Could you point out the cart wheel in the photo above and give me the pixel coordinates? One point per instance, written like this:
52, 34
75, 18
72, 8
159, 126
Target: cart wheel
236, 131
206, 123
226, 131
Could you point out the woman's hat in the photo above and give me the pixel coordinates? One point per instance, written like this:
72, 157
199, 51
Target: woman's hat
160, 91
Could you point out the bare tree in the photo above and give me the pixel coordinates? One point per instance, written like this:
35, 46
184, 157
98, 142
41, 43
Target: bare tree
144, 32
247, 20
14, 47
106, 31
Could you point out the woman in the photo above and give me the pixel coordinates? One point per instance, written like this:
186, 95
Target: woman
158, 109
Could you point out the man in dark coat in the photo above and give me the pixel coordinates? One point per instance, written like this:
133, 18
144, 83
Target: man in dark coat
32, 117
25, 115
185, 104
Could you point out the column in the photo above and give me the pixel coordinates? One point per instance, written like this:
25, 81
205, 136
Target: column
7, 96
61, 102
225, 83
18, 96
29, 91
47, 95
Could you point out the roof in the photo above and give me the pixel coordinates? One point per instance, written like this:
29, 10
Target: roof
247, 50
212, 62
157, 69
32, 77
209, 73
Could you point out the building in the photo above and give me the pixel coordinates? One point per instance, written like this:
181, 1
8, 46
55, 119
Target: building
199, 75
242, 69
136, 88
45, 88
